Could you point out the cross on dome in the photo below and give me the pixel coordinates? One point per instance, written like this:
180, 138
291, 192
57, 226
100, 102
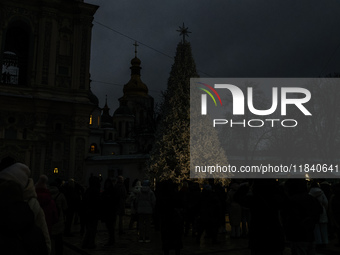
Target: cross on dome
136, 45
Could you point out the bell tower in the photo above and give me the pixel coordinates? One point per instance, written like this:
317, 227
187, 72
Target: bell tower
135, 115
45, 96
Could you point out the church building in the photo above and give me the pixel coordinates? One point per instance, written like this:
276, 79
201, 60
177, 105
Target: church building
119, 144
45, 96
49, 118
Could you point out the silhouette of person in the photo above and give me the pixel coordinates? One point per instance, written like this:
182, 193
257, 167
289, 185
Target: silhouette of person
20, 173
91, 203
109, 209
59, 227
266, 235
121, 194
145, 204
321, 232
300, 215
46, 202
171, 223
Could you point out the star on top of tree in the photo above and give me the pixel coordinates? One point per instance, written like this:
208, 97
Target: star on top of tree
184, 32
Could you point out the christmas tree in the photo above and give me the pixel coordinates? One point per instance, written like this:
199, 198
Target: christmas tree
170, 157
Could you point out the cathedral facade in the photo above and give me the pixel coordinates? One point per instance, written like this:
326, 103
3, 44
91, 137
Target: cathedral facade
45, 96
120, 144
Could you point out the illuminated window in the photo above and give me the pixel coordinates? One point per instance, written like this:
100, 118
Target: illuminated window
98, 120
90, 120
93, 148
56, 170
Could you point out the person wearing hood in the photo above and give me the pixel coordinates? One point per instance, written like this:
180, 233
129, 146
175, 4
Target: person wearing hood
19, 173
145, 204
18, 233
320, 232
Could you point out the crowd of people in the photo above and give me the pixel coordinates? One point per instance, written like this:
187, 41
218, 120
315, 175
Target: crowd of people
35, 216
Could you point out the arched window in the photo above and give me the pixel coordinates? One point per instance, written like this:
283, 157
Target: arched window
15, 54
58, 152
93, 148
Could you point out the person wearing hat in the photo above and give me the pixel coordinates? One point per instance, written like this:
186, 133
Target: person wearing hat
19, 173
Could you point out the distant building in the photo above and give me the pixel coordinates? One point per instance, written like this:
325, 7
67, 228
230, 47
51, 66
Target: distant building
45, 96
119, 144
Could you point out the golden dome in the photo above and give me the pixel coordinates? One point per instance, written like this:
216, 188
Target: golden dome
135, 86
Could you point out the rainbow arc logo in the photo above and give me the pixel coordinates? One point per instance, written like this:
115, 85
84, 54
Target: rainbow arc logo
204, 97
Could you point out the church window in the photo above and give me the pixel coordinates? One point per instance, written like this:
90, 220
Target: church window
10, 133
64, 45
63, 70
11, 120
93, 148
57, 152
24, 134
58, 128
10, 68
127, 129
15, 55
90, 122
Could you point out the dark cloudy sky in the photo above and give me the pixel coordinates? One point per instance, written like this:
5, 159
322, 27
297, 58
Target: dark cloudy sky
230, 38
